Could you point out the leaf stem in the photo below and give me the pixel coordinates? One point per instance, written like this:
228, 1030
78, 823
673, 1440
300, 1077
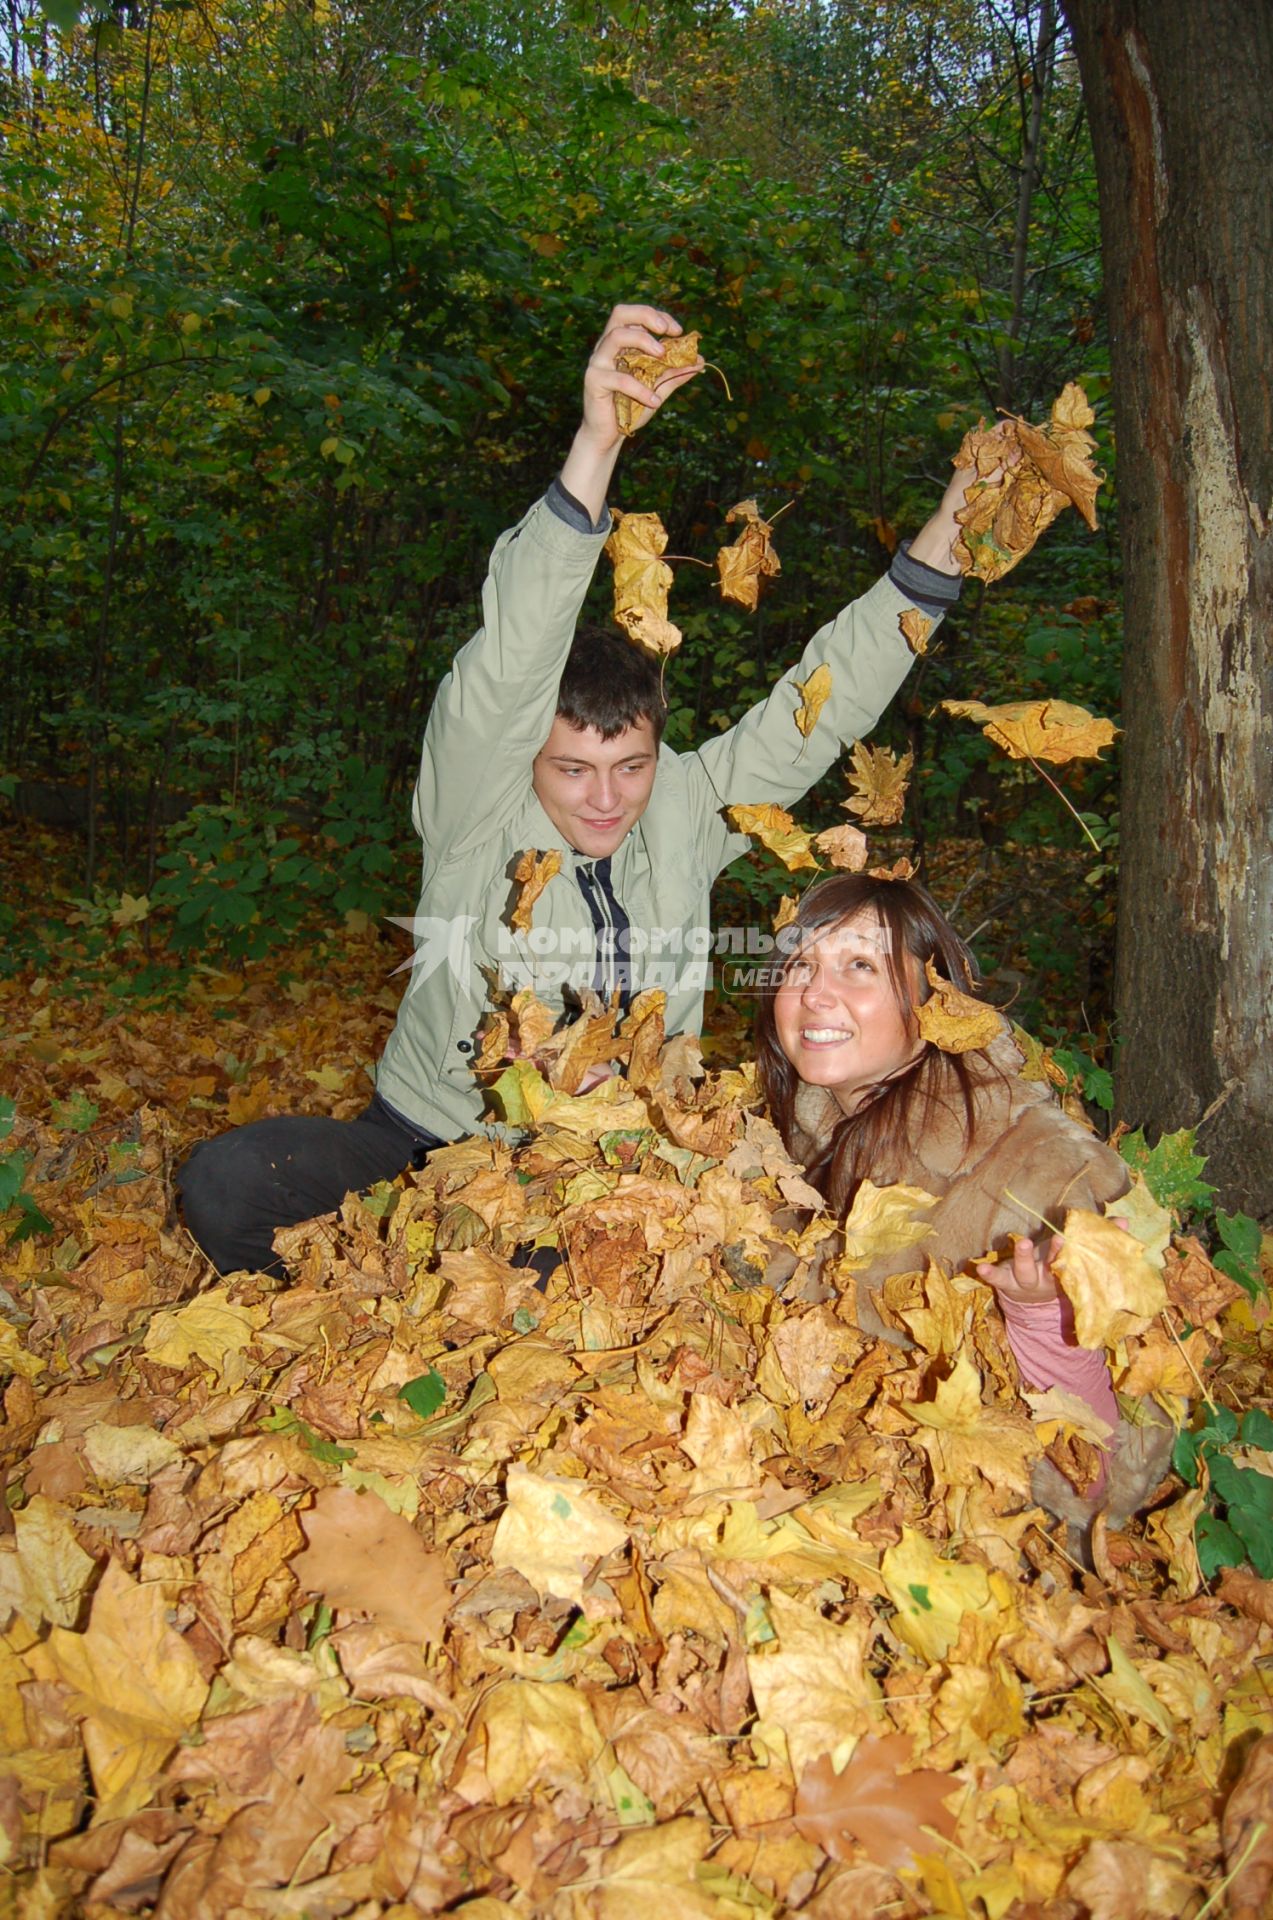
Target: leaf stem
1064, 802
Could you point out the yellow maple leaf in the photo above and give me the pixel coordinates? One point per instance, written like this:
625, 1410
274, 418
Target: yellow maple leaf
775, 829
878, 779
916, 627
814, 694
1114, 1288
654, 1869
932, 1596
641, 580
953, 1021
749, 562
651, 369
135, 1680
1052, 730
131, 910
814, 1683
963, 1438
532, 873
553, 1531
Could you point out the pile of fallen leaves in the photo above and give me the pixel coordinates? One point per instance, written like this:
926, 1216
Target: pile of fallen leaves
404, 1586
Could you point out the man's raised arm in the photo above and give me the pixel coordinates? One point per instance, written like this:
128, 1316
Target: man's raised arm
493, 711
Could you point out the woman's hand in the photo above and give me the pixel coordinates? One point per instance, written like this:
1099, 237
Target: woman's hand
590, 462
1027, 1280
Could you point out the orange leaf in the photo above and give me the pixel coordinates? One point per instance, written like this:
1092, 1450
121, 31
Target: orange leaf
873, 1804
364, 1558
1013, 501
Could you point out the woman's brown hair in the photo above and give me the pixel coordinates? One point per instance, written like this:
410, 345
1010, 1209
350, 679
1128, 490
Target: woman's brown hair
893, 1114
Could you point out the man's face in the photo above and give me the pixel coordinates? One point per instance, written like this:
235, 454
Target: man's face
593, 790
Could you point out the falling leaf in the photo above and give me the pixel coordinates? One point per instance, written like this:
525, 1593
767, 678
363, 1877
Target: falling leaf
532, 873
1012, 500
775, 829
363, 1558
900, 870
878, 779
954, 1021
879, 1802
651, 369
137, 1683
916, 627
814, 694
641, 580
1112, 1287
744, 567
844, 847
788, 906
1051, 730
553, 1532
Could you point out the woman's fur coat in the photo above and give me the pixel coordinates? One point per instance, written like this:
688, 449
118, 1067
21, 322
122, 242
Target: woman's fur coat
1026, 1162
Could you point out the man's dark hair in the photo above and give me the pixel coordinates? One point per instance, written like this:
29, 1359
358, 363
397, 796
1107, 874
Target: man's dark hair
609, 684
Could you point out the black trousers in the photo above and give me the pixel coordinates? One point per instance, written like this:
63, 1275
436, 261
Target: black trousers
237, 1189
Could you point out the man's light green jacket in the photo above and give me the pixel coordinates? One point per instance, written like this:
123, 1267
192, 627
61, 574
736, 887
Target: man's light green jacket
475, 811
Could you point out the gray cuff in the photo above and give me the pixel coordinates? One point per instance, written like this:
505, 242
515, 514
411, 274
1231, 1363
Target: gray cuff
573, 511
932, 592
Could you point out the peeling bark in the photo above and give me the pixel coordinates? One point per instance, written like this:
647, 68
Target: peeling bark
1180, 100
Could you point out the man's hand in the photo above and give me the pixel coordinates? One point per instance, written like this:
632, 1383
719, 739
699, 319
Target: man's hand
1027, 1280
934, 543
590, 462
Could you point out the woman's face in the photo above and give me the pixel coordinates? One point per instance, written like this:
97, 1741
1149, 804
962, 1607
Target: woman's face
836, 1013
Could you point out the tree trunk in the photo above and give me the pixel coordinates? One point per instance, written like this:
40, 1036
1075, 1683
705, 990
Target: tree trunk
1180, 99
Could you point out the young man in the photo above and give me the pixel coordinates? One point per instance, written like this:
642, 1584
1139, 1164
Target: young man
534, 743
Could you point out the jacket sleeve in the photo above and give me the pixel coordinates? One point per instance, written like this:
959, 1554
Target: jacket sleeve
494, 709
764, 757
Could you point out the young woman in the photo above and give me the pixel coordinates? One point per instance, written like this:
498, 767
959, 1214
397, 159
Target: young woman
857, 1094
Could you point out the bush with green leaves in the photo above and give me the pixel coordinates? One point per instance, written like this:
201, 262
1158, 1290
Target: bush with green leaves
1231, 1460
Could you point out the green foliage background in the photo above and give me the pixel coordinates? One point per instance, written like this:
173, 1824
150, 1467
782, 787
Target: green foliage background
297, 298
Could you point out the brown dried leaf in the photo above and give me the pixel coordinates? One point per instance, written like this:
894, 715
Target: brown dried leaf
1248, 1593
845, 848
532, 873
1051, 730
750, 561
1246, 1830
1013, 501
775, 829
651, 369
363, 1558
954, 1021
878, 780
878, 1803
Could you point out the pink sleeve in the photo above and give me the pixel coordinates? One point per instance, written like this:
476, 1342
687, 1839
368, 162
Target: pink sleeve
1037, 1336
